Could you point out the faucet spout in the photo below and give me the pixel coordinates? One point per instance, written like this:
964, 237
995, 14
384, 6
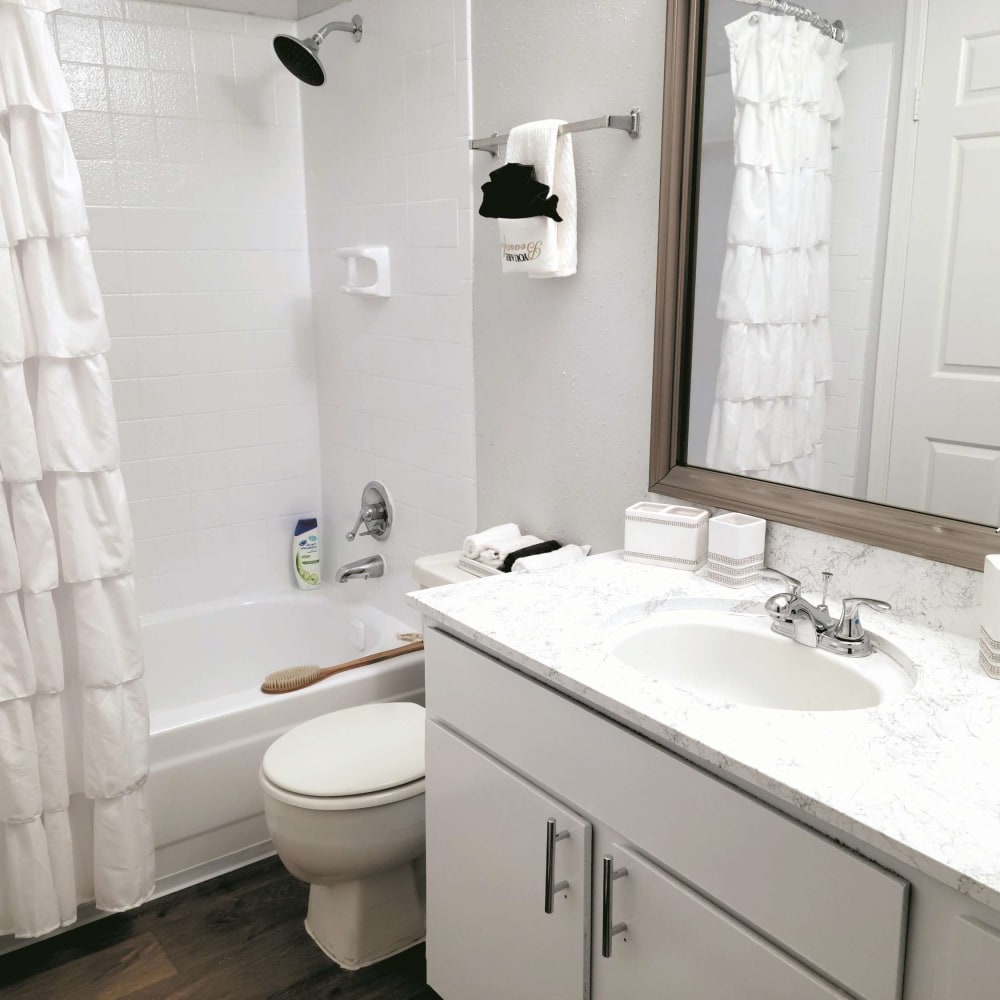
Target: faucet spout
361, 569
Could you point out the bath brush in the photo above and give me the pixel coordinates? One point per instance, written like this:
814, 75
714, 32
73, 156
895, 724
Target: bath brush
294, 678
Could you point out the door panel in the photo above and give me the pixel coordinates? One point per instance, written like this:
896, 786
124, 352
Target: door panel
677, 945
488, 936
948, 370
975, 961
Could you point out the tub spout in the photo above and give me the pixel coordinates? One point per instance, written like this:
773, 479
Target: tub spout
361, 569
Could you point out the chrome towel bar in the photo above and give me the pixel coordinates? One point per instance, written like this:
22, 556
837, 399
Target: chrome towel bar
623, 123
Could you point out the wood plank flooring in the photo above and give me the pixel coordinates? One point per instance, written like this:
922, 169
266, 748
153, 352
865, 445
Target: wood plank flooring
237, 937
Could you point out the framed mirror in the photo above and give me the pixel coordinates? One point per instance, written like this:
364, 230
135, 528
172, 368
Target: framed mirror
827, 351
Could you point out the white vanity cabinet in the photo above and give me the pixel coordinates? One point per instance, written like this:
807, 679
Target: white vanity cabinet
486, 893
722, 897
975, 961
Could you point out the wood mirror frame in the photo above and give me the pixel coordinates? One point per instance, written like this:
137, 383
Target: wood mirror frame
938, 538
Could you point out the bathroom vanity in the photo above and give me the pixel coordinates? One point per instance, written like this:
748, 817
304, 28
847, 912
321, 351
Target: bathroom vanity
594, 832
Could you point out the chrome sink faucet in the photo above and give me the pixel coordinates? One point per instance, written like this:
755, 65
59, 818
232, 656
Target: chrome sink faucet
813, 625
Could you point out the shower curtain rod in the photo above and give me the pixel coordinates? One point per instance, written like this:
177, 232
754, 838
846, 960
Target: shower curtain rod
835, 29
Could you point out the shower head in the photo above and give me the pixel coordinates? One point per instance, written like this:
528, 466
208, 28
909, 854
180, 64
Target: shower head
301, 58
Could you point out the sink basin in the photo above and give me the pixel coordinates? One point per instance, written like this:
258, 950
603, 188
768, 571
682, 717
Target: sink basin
737, 659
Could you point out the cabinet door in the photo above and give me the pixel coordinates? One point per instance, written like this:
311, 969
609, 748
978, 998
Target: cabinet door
488, 935
975, 961
676, 944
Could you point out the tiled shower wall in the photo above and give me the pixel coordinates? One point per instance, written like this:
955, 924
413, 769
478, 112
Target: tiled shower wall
387, 162
190, 144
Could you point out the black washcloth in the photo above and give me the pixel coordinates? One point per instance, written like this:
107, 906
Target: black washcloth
530, 550
514, 192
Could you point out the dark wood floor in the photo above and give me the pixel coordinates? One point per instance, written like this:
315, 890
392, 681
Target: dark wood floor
237, 937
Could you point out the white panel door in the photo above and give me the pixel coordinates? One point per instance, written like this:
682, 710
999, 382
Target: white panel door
678, 946
488, 935
975, 961
945, 441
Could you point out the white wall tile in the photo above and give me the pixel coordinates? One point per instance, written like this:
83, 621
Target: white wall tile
125, 44
79, 39
198, 223
155, 13
393, 380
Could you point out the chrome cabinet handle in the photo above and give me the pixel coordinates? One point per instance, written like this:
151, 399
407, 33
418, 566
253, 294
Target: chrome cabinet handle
609, 929
551, 838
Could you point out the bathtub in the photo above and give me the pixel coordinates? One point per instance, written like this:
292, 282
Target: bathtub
210, 723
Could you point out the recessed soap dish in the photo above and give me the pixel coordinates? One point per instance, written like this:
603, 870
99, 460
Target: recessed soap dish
379, 256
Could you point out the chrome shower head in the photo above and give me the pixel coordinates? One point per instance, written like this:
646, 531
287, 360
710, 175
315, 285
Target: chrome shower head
301, 57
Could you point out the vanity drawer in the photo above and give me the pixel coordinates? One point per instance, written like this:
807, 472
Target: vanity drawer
833, 910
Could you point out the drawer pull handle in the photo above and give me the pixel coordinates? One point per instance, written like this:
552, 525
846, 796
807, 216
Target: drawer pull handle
608, 929
551, 838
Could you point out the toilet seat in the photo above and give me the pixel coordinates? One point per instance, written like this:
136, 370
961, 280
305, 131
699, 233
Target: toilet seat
333, 803
355, 758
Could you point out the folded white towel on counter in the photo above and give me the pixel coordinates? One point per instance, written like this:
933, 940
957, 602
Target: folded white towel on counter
473, 546
548, 560
494, 555
551, 154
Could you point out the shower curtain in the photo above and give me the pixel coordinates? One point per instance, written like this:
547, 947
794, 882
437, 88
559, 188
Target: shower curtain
74, 727
776, 358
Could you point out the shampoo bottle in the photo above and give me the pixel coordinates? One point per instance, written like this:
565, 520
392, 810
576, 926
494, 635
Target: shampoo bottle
305, 554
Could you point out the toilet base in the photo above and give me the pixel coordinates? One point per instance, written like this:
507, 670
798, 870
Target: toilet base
360, 922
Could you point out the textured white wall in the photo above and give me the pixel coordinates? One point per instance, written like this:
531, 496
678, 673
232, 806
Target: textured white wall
190, 146
387, 159
563, 366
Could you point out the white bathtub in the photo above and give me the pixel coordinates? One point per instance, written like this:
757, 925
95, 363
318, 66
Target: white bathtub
211, 724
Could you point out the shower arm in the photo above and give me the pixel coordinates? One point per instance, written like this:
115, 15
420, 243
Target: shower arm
354, 27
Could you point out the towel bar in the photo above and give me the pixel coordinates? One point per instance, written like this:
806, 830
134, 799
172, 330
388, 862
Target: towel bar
624, 123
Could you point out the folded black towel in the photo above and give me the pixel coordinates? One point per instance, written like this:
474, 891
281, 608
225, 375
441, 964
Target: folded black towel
514, 192
529, 550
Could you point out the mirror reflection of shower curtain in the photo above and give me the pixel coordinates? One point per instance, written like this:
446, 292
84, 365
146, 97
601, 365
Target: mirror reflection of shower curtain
776, 356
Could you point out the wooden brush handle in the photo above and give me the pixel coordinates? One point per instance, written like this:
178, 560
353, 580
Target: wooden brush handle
363, 661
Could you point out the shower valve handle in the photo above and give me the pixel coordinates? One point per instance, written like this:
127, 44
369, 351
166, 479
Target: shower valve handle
371, 517
375, 514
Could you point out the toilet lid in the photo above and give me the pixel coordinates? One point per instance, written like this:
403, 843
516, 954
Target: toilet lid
350, 752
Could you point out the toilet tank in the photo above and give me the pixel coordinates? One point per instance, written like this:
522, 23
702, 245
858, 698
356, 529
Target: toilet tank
437, 570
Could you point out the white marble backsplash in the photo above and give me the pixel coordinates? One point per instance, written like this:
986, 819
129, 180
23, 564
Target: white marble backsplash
930, 593
933, 594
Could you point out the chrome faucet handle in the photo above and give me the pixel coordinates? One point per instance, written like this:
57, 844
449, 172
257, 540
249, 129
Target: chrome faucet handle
370, 517
794, 586
849, 627
376, 512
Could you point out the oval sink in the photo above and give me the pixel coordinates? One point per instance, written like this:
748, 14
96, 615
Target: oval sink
738, 659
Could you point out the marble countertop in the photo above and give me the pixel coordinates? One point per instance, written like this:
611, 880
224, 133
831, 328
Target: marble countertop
916, 778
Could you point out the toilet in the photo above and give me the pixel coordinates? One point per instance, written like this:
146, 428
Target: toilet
344, 804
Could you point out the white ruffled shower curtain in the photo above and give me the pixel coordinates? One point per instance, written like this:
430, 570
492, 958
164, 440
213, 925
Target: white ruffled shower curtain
74, 726
776, 359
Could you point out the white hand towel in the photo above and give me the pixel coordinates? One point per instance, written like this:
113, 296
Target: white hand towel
494, 555
551, 154
548, 560
529, 246
473, 546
